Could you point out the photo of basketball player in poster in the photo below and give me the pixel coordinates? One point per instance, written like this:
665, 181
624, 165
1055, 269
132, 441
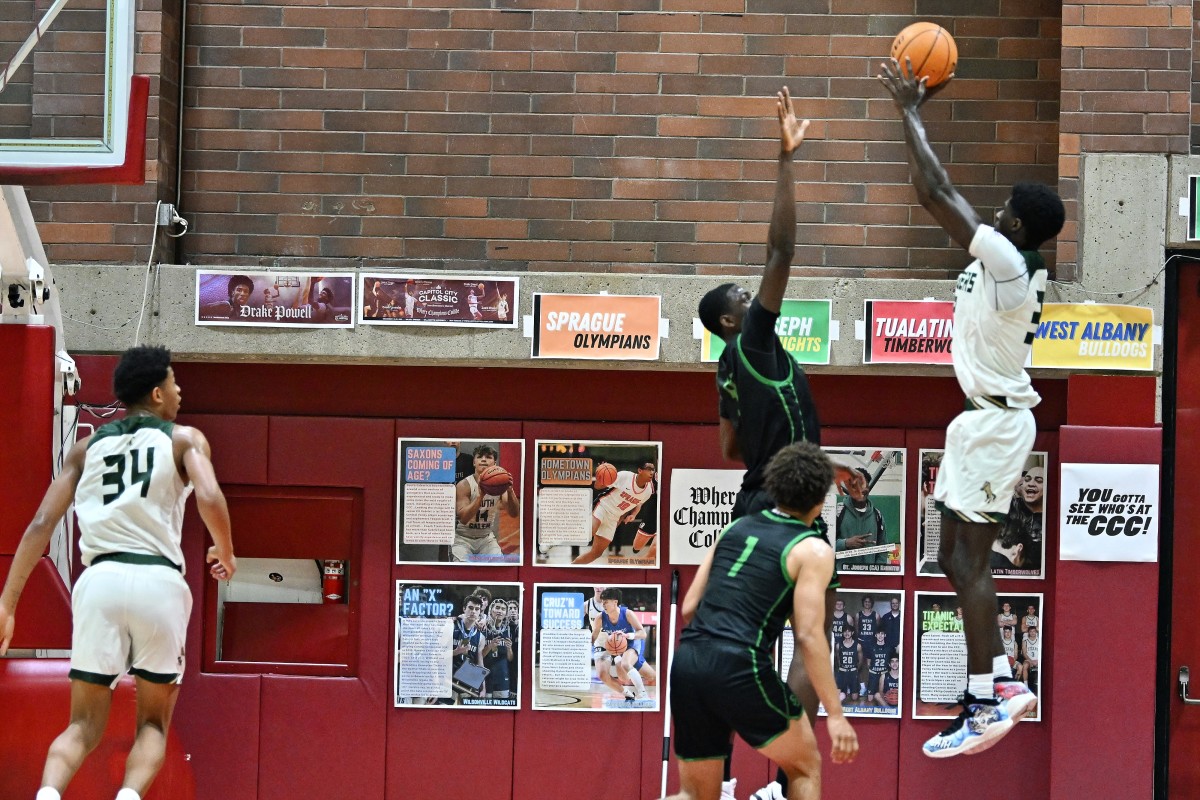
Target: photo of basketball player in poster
866, 511
274, 299
941, 649
597, 503
1019, 550
458, 645
459, 501
596, 647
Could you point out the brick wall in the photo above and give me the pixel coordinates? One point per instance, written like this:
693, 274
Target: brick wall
623, 135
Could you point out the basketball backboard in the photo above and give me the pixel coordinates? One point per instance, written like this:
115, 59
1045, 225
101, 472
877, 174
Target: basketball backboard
65, 72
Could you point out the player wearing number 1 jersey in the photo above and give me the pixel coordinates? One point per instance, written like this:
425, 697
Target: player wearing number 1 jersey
129, 481
764, 567
997, 306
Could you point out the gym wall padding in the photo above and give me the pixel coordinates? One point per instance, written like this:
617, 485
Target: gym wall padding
27, 399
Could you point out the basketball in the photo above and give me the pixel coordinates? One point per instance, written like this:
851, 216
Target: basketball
892, 697
930, 48
494, 480
605, 475
616, 643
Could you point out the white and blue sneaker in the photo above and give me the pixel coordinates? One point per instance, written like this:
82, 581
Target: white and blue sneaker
1016, 697
980, 725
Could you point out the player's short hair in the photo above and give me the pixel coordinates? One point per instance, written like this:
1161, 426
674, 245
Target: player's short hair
611, 593
474, 598
239, 280
713, 305
1040, 210
798, 476
484, 450
139, 371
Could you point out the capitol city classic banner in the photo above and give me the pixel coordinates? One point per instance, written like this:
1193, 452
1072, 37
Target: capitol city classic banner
1094, 336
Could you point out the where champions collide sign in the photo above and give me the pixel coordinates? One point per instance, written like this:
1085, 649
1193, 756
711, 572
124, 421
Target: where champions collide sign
596, 326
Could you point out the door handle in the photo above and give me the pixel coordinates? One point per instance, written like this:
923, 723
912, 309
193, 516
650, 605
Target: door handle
1184, 677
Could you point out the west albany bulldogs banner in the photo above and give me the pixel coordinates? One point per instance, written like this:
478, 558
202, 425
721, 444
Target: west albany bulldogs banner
596, 326
1094, 336
908, 331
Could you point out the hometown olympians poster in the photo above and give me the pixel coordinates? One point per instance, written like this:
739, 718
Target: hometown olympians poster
458, 644
596, 647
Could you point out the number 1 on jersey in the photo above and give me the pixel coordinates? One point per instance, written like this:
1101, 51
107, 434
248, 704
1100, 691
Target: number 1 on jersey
751, 542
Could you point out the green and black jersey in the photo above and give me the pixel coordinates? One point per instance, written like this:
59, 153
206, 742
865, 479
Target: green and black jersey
764, 393
748, 597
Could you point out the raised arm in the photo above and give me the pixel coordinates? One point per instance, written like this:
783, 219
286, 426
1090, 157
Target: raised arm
781, 236
37, 535
934, 189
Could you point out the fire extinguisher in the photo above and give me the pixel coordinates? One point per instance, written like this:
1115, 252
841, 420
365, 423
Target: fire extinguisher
333, 582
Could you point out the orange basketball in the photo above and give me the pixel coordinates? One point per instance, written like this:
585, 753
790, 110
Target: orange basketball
605, 475
930, 48
494, 480
616, 643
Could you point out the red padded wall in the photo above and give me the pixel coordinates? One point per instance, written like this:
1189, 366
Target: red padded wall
27, 395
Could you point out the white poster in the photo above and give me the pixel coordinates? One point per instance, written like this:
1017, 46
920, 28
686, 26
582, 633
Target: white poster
1109, 512
701, 507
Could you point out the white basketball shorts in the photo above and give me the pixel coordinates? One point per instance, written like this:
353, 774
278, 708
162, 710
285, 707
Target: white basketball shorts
986, 450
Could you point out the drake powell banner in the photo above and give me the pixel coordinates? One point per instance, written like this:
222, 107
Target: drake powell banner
1094, 336
1109, 512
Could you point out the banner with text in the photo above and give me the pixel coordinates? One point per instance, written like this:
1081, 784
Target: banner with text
596, 326
701, 507
803, 327
1093, 336
908, 331
402, 299
274, 299
1109, 512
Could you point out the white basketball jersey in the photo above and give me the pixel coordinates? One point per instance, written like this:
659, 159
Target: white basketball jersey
991, 343
130, 497
485, 518
626, 494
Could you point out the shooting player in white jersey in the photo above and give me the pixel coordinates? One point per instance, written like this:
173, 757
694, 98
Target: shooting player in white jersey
129, 481
997, 307
629, 491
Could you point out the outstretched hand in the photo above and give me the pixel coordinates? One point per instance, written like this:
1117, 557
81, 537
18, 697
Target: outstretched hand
906, 88
791, 130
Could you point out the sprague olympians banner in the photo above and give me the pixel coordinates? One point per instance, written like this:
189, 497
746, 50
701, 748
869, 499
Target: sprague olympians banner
596, 326
1093, 336
1109, 512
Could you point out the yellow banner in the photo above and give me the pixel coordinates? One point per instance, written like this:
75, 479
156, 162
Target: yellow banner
1093, 336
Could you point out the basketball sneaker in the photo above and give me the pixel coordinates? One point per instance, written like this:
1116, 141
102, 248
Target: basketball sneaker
980, 725
727, 789
772, 791
1017, 698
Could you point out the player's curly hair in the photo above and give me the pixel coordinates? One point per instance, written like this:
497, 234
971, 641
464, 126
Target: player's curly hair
714, 304
139, 371
799, 476
1040, 210
239, 280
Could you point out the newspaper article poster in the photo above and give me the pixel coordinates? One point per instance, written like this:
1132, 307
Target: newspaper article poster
596, 647
941, 649
865, 508
458, 644
597, 503
458, 501
1020, 548
866, 643
701, 507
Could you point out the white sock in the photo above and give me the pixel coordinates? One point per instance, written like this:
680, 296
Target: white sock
128, 794
48, 793
636, 677
1000, 667
981, 686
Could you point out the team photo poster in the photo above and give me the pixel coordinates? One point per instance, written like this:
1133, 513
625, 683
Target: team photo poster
392, 299
274, 299
1020, 549
596, 647
459, 501
596, 503
941, 649
458, 644
867, 644
866, 510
